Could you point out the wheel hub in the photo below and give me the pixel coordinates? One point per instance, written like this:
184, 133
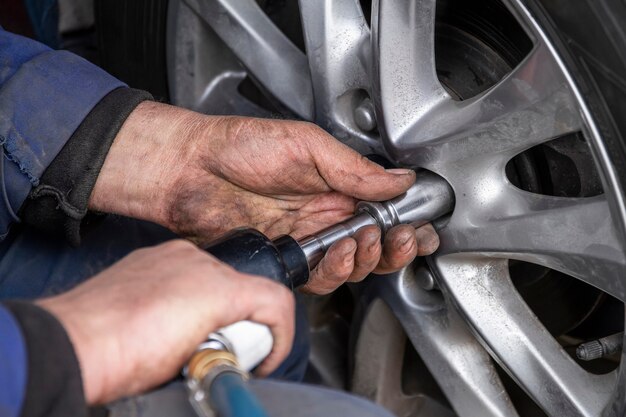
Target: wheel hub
377, 85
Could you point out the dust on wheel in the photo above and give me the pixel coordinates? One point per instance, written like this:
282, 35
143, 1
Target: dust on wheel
519, 104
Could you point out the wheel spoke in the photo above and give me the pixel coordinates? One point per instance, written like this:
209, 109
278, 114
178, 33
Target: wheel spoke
460, 364
572, 235
486, 296
531, 105
221, 97
196, 81
337, 42
378, 366
405, 79
268, 55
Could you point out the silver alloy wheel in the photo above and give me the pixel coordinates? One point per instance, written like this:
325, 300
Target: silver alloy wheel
481, 318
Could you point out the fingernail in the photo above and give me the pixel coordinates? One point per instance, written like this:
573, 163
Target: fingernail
372, 236
407, 245
349, 249
399, 171
348, 254
371, 240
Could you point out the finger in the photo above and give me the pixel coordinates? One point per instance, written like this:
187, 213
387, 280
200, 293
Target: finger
334, 269
275, 308
427, 240
400, 249
352, 174
367, 254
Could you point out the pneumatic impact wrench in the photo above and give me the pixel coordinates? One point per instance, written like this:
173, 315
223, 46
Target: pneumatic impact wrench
289, 262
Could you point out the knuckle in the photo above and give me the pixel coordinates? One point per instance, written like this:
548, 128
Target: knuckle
180, 245
313, 128
270, 290
286, 298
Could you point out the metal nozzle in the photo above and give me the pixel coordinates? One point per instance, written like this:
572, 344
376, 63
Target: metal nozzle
428, 199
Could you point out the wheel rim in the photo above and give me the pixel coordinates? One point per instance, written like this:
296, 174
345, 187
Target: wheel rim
468, 142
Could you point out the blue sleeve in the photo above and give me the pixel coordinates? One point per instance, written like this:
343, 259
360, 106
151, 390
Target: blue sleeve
44, 96
13, 366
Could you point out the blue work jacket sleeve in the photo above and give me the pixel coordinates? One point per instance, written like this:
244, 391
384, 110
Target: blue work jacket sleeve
13, 365
44, 97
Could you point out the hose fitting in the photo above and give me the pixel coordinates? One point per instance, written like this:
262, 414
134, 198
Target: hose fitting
205, 362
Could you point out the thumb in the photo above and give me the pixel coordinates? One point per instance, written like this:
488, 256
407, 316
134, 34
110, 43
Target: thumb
350, 173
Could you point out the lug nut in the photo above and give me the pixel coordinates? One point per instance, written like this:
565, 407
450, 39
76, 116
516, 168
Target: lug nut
365, 116
425, 278
600, 348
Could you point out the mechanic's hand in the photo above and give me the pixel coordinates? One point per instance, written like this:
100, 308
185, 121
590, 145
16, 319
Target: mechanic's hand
202, 176
134, 325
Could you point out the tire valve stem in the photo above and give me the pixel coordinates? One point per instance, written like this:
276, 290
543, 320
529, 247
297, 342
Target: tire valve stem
600, 348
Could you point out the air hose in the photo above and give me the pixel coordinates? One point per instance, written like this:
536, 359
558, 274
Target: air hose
230, 396
218, 385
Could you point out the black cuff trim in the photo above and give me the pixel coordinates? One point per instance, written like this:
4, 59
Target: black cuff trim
59, 204
54, 387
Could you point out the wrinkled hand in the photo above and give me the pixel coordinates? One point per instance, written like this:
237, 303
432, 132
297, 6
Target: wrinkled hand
201, 176
135, 324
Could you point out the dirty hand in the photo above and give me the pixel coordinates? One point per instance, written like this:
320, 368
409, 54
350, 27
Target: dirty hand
135, 324
201, 176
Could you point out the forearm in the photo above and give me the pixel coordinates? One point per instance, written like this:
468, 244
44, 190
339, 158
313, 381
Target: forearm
156, 147
146, 155
59, 203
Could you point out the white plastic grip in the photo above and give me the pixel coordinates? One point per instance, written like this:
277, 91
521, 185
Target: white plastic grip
250, 342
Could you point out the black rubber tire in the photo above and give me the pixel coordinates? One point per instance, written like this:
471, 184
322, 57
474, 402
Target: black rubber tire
591, 38
131, 42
